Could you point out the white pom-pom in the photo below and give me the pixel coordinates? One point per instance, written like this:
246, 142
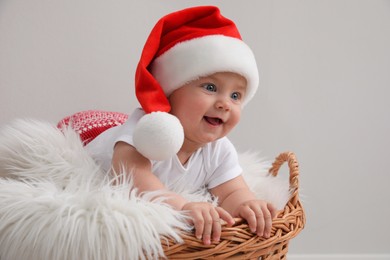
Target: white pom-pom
158, 136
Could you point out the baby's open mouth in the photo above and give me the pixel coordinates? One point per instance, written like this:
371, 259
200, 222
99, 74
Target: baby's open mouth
213, 120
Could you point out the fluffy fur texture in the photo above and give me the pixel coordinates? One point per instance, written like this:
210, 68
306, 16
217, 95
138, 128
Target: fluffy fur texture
265, 186
56, 203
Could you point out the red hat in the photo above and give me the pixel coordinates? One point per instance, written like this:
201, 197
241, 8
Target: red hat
183, 46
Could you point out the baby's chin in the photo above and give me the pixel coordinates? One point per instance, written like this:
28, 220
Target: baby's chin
211, 138
199, 141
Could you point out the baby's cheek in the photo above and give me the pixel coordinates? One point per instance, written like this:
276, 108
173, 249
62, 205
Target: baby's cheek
235, 119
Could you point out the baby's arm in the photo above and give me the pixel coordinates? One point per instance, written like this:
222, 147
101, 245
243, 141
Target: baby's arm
126, 158
205, 216
238, 200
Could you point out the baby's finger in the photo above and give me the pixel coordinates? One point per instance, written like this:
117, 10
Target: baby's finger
225, 216
216, 225
272, 210
208, 226
267, 216
249, 215
198, 221
259, 221
217, 229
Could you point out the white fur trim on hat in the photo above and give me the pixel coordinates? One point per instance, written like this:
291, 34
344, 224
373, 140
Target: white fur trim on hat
199, 57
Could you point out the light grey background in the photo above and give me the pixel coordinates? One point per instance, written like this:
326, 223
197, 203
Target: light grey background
324, 92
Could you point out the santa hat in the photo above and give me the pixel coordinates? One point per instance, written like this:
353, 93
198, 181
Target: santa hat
184, 46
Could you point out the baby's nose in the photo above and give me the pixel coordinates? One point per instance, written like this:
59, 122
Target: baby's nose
223, 103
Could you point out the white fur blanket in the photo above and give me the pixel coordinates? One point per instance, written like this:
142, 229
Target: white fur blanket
56, 203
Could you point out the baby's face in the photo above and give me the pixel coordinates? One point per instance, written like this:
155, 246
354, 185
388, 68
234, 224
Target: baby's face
209, 107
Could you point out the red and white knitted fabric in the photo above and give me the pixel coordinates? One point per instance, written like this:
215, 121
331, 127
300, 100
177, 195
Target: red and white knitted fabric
89, 124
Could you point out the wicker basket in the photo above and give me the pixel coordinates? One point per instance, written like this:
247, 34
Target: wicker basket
237, 242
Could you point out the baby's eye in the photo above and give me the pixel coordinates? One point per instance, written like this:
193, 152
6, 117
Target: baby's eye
236, 96
210, 87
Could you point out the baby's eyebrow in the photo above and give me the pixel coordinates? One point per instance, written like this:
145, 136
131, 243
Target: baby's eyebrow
241, 88
210, 77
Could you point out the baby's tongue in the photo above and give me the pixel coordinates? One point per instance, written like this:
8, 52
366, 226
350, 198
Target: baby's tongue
213, 120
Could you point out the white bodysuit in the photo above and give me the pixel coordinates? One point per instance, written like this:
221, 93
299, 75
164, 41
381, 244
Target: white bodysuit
210, 166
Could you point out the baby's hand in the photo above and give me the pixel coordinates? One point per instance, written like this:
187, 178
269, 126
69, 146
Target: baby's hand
207, 220
259, 215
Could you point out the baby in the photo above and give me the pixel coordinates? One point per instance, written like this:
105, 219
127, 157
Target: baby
194, 76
